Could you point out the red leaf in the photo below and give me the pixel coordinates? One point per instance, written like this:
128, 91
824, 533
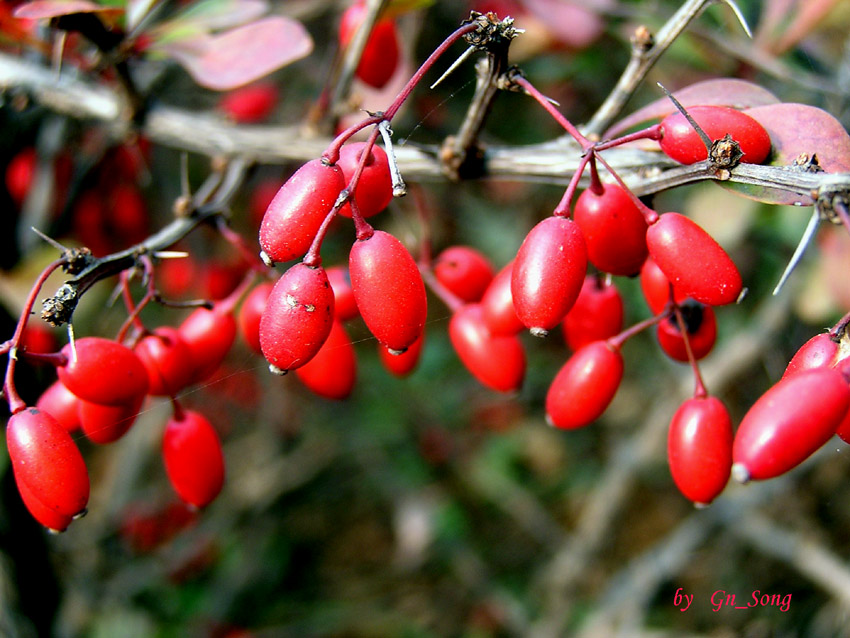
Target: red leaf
241, 55
56, 8
737, 94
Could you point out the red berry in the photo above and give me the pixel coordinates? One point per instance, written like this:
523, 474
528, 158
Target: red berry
388, 289
596, 315
584, 386
20, 173
681, 142
374, 189
332, 372
261, 196
168, 361
39, 338
51, 519
613, 228
104, 424
209, 334
821, 351
193, 458
497, 304
548, 273
402, 364
694, 263
789, 422
380, 57
47, 463
249, 104
498, 362
699, 448
465, 271
298, 317
60, 403
103, 371
345, 307
250, 313
701, 325
656, 287
297, 211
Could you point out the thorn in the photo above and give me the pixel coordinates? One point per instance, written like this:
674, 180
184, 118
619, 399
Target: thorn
702, 134
740, 16
170, 254
805, 240
399, 187
49, 240
460, 60
72, 340
58, 50
185, 187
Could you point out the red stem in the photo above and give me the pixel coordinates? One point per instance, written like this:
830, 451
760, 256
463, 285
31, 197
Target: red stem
699, 386
618, 340
563, 207
651, 133
568, 126
452, 301
16, 404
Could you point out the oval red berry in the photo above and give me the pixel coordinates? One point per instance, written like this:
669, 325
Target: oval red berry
298, 317
548, 272
297, 211
693, 261
193, 458
388, 289
790, 422
681, 142
103, 371
699, 448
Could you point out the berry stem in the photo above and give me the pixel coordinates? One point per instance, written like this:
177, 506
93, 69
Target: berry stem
651, 133
618, 340
566, 203
543, 101
699, 386
650, 215
16, 404
452, 301
426, 65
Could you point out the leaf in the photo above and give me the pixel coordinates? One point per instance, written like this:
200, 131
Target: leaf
800, 128
244, 54
738, 94
40, 9
215, 15
796, 129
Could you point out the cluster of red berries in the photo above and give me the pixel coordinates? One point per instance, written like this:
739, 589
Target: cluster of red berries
684, 275
101, 388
